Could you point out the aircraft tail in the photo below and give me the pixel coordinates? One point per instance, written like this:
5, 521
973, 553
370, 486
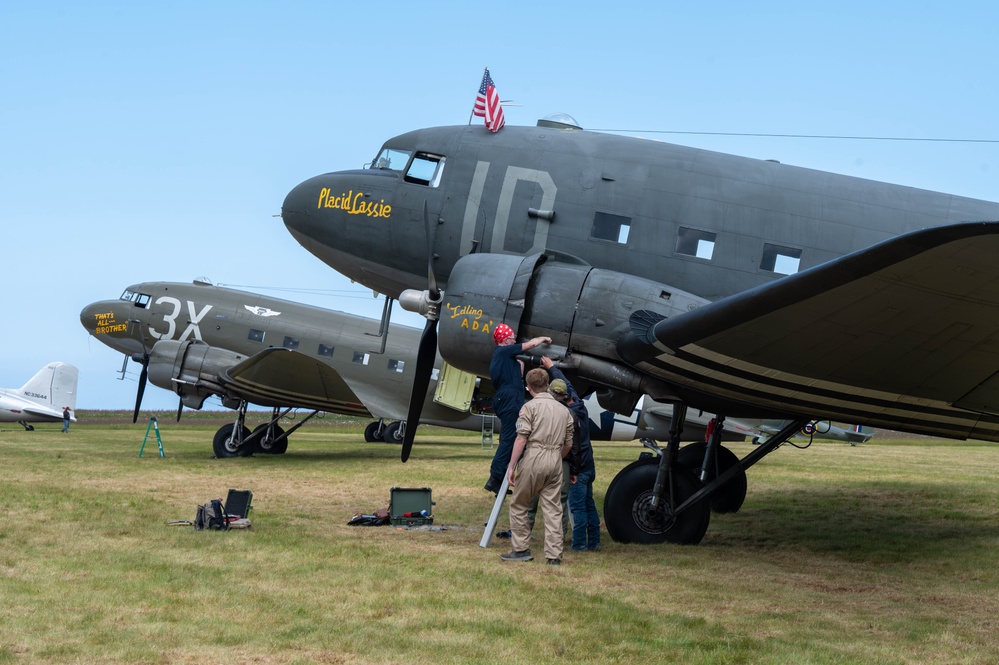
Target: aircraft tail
859, 434
53, 386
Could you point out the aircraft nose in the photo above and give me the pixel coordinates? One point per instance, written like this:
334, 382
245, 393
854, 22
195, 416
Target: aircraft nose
88, 315
295, 211
103, 317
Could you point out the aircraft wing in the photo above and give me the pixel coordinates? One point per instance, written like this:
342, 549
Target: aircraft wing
902, 335
282, 377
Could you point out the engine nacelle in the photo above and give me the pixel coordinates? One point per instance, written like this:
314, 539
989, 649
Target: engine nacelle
585, 311
190, 369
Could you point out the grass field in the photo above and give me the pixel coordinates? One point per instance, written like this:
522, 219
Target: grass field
881, 553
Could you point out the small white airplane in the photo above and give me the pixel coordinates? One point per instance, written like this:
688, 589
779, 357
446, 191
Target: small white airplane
42, 399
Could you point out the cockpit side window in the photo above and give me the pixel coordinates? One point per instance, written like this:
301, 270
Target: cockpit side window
425, 169
391, 159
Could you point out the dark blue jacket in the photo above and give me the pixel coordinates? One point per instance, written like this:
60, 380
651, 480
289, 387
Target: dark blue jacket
581, 457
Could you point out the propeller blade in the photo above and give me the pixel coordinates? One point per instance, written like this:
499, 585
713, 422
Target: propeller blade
431, 278
425, 357
142, 388
180, 408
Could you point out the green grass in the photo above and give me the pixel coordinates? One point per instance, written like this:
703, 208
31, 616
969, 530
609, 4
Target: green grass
881, 553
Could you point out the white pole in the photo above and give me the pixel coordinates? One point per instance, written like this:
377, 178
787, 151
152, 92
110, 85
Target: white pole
487, 535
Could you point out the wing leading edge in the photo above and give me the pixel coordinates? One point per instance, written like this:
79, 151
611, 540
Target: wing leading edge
902, 335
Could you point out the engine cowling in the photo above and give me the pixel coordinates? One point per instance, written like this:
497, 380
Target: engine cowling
586, 311
190, 369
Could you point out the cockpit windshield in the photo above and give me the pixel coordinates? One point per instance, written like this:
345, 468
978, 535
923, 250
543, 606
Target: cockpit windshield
392, 159
140, 299
424, 169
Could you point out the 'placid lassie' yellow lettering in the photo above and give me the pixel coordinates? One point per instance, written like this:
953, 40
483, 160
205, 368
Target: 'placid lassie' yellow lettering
353, 204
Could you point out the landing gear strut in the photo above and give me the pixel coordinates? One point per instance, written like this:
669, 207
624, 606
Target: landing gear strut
707, 460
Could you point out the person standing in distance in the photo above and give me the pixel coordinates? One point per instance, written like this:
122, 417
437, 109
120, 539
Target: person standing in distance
65, 419
507, 375
544, 436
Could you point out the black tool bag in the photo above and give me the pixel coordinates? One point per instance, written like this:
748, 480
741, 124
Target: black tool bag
211, 516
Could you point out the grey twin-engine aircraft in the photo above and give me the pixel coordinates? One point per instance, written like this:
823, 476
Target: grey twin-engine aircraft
198, 340
736, 286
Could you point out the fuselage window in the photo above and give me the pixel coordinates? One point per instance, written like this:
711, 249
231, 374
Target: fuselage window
425, 169
361, 358
326, 350
691, 242
611, 227
781, 260
389, 158
291, 343
396, 365
255, 335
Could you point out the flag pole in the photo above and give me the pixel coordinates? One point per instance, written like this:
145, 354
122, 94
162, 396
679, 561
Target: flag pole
472, 114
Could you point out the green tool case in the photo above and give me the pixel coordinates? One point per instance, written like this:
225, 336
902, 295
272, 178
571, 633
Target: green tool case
406, 505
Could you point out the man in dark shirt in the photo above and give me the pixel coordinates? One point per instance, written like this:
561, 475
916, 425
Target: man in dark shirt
507, 375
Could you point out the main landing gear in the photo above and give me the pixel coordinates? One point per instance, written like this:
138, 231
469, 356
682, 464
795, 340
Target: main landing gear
667, 495
236, 439
379, 430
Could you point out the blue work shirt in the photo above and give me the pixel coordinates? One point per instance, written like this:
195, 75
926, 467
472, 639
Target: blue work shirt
504, 369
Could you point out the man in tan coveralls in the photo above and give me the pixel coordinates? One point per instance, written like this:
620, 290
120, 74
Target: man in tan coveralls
544, 436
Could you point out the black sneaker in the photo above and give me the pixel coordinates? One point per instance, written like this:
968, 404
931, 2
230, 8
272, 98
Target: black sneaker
554, 562
493, 485
523, 555
504, 534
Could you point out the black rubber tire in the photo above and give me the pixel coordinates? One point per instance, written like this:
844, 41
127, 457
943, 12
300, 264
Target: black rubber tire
371, 432
626, 511
221, 440
393, 432
728, 498
267, 446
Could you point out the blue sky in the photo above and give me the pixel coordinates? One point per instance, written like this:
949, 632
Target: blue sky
143, 141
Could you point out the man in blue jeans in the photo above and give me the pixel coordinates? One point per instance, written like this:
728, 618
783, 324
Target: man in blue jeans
585, 519
507, 374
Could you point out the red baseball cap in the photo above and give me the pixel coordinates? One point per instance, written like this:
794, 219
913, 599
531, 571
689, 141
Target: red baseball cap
501, 332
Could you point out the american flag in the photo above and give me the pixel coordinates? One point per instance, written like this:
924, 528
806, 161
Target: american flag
487, 104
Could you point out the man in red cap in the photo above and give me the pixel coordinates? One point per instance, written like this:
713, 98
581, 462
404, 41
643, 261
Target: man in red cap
507, 375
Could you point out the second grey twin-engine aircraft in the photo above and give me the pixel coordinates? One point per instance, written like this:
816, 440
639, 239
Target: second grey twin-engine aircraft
737, 286
199, 340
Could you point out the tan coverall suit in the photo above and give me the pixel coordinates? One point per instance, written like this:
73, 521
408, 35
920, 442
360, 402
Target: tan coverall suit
547, 427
